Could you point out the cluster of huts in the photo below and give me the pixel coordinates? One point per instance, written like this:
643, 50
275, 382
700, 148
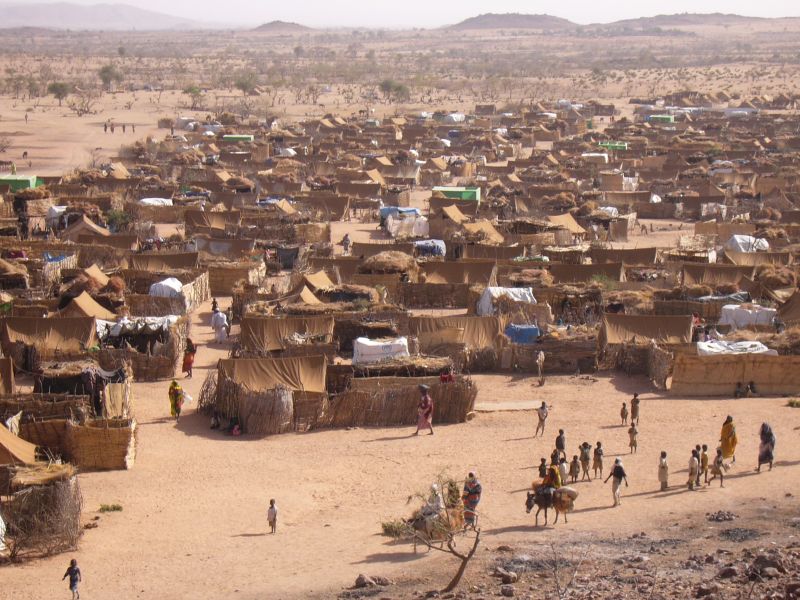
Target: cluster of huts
494, 236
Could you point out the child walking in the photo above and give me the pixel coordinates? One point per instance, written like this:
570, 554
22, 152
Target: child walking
74, 574
718, 468
574, 468
623, 413
704, 464
272, 516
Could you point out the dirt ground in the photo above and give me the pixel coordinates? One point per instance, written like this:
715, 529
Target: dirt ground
194, 505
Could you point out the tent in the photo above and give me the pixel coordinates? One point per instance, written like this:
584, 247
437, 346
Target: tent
84, 225
721, 347
68, 335
697, 273
367, 351
95, 273
789, 312
484, 229
15, 450
742, 316
568, 222
300, 373
155, 202
86, 306
271, 333
318, 281
490, 294
163, 261
569, 273
167, 288
455, 215
746, 243
627, 256
623, 329
482, 273
479, 332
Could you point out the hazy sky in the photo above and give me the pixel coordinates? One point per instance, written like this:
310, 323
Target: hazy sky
425, 13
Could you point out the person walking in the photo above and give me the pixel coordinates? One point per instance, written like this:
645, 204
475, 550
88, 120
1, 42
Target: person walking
619, 475
219, 323
728, 440
175, 400
663, 471
424, 410
635, 409
633, 435
188, 358
540, 367
74, 574
766, 447
694, 469
718, 467
623, 414
542, 412
585, 456
272, 516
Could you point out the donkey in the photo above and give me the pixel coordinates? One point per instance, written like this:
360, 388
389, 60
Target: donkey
546, 498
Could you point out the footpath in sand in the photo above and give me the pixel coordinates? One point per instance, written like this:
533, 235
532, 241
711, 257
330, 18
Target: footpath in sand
194, 505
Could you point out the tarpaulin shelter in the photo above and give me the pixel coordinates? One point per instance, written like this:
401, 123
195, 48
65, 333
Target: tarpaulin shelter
301, 373
163, 261
718, 375
97, 275
229, 248
318, 281
83, 226
479, 332
170, 287
14, 450
698, 273
744, 316
568, 222
625, 329
754, 259
86, 306
569, 273
271, 333
483, 273
367, 351
490, 294
789, 312
455, 215
484, 229
627, 256
51, 337
204, 219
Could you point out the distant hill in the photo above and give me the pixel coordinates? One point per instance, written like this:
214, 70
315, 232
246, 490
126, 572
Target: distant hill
685, 20
114, 17
515, 21
282, 27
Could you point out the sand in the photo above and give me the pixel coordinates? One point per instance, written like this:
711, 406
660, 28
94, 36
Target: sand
194, 505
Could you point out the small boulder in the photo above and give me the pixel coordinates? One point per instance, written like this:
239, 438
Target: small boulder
507, 590
770, 573
363, 581
728, 572
510, 577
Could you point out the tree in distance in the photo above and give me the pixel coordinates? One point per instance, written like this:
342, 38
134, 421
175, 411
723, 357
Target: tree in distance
59, 90
109, 74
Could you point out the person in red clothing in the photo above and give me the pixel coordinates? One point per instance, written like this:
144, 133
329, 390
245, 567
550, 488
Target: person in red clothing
425, 410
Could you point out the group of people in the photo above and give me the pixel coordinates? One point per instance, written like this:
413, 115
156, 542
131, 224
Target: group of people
112, 126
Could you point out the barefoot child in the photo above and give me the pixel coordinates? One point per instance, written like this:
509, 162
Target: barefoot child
633, 433
718, 468
272, 516
694, 469
703, 464
586, 455
663, 470
623, 413
74, 574
574, 468
543, 469
597, 463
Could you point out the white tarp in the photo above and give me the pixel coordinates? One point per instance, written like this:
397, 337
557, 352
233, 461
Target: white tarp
2, 534
611, 211
407, 226
168, 288
156, 201
720, 347
367, 351
486, 303
742, 316
54, 215
746, 243
112, 329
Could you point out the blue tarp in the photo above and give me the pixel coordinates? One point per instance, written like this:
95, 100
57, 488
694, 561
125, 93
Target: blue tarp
430, 248
522, 334
50, 258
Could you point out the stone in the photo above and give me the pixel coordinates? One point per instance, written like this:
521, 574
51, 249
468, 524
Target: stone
770, 572
505, 549
510, 577
432, 594
363, 581
507, 590
728, 572
381, 581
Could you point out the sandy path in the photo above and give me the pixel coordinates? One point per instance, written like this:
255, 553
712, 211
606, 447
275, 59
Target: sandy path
194, 525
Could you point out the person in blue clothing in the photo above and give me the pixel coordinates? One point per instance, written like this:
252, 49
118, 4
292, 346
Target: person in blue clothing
74, 574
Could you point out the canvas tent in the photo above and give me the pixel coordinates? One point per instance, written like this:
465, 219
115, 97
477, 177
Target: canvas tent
70, 335
367, 351
271, 333
743, 316
167, 288
86, 306
300, 374
482, 273
568, 273
84, 225
568, 222
479, 332
789, 312
163, 261
697, 273
490, 294
625, 329
627, 256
